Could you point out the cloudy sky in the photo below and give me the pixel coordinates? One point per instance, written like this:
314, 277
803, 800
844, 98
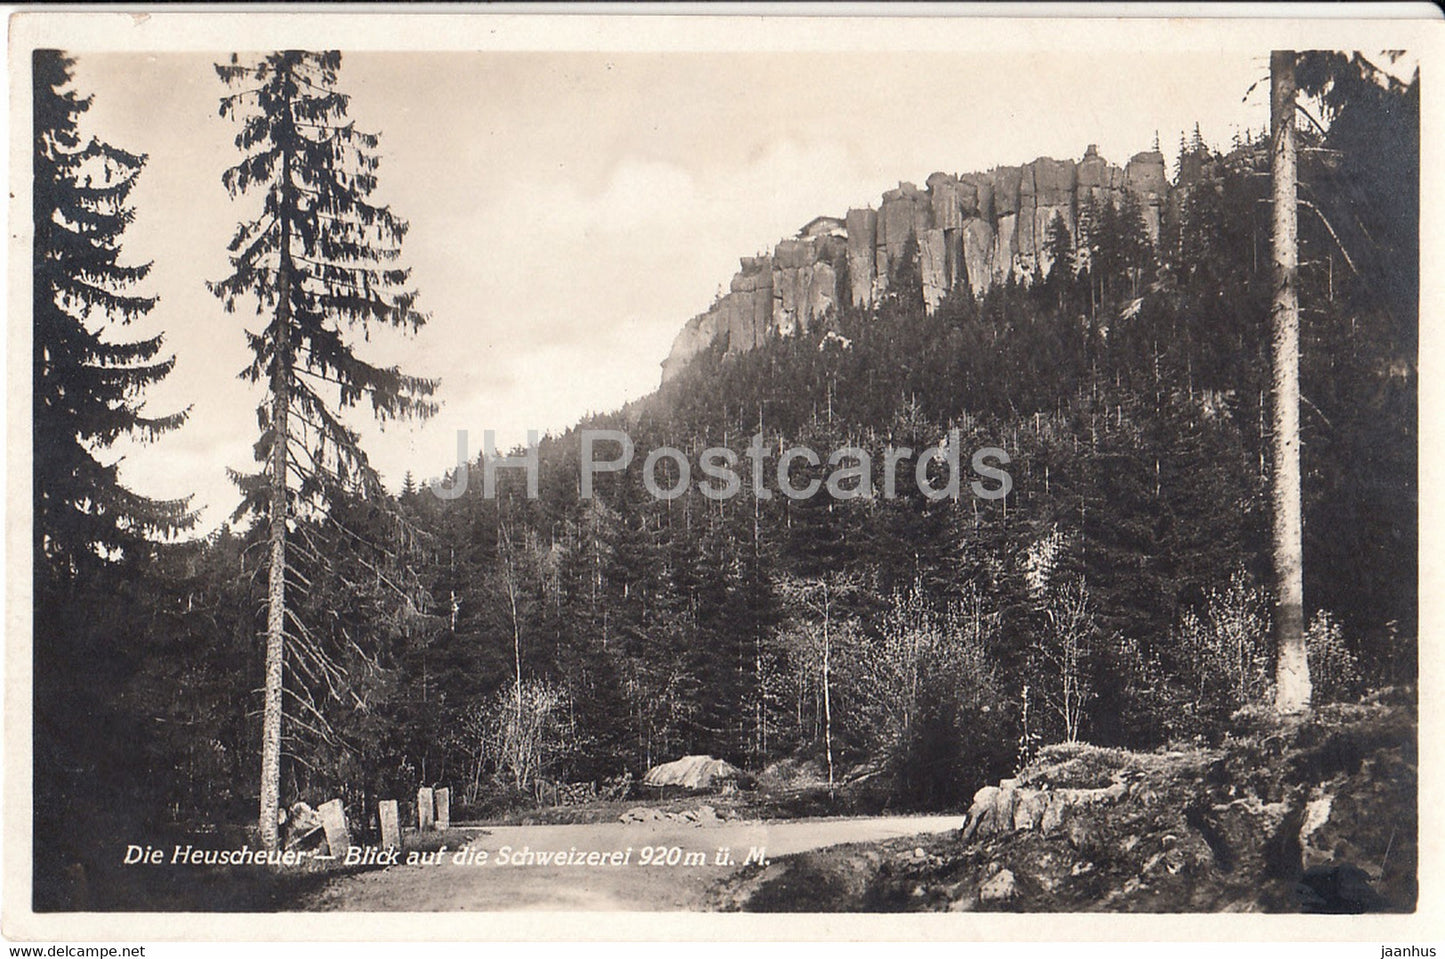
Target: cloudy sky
569, 211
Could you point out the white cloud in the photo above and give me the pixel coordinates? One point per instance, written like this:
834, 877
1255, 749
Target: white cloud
570, 217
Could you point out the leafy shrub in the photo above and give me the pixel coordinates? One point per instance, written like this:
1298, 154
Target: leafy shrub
1334, 671
925, 692
1226, 647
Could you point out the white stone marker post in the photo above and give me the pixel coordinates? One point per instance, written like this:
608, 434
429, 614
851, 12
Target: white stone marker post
444, 808
333, 820
390, 825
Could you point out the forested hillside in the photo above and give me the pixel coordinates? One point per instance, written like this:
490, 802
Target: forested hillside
907, 649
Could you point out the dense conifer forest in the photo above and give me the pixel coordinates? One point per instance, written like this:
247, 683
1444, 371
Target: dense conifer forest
908, 649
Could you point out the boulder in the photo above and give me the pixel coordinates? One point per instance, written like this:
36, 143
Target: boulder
641, 814
302, 818
1053, 815
302, 824
691, 772
804, 280
981, 809
1030, 809
1010, 807
743, 318
1000, 888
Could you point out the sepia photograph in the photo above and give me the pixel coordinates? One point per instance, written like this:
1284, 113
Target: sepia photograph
714, 465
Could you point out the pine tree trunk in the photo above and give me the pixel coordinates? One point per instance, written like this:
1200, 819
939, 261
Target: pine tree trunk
760, 720
271, 709
517, 654
1292, 676
276, 588
827, 685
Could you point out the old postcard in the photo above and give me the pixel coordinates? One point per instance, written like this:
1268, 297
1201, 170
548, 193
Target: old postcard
476, 475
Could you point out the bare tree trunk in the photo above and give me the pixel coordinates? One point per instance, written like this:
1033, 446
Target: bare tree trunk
516, 643
827, 684
760, 716
271, 709
516, 650
1292, 675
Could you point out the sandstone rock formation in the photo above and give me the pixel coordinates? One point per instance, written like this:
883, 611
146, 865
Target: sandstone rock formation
978, 254
862, 256
905, 214
805, 280
1008, 807
968, 231
741, 318
1146, 178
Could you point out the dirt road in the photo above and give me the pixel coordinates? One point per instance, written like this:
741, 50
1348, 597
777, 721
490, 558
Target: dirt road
604, 866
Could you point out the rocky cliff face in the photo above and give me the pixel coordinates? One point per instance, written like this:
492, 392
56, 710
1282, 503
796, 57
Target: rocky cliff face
970, 230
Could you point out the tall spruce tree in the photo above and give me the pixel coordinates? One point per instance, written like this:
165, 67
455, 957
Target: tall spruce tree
317, 259
87, 377
1292, 674
1060, 246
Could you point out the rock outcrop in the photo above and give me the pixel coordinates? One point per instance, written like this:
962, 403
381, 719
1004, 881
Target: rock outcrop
805, 280
1315, 814
967, 231
1009, 807
703, 815
862, 256
741, 318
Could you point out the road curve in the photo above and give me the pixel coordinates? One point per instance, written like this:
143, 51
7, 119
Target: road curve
604, 866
